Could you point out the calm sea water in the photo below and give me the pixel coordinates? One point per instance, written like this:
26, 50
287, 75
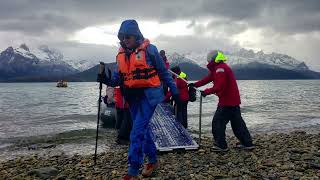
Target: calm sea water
33, 109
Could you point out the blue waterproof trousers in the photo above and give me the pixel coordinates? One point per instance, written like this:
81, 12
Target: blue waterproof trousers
140, 138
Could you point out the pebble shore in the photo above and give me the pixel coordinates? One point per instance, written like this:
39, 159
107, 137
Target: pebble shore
293, 155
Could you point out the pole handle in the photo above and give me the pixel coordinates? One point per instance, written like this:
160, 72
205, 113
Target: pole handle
101, 68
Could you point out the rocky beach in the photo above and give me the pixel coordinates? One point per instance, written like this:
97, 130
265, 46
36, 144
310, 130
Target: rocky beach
294, 155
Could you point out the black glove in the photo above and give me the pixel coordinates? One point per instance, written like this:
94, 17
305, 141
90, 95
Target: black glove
203, 94
191, 85
105, 99
176, 98
103, 78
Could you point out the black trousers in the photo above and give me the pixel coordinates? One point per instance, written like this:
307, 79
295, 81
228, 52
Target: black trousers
120, 116
182, 113
124, 124
239, 128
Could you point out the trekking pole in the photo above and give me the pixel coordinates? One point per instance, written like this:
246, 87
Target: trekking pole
101, 72
200, 113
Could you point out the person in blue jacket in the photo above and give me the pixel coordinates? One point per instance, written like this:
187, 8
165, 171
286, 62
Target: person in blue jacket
139, 72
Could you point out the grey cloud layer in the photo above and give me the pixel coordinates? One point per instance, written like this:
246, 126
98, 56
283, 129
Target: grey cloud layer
292, 16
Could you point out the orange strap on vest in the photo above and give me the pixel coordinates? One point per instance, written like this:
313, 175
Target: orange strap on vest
134, 71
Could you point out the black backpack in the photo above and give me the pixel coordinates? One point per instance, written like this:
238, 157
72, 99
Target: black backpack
192, 94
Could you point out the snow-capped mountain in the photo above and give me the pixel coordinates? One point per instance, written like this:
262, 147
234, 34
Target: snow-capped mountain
44, 53
82, 65
23, 62
193, 70
247, 64
176, 59
91, 73
244, 57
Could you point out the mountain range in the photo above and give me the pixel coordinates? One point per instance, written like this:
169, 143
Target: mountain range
246, 64
42, 64
47, 64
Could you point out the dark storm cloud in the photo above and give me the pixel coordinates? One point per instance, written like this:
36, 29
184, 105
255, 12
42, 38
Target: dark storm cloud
230, 9
70, 15
38, 25
285, 16
289, 16
193, 43
228, 27
37, 15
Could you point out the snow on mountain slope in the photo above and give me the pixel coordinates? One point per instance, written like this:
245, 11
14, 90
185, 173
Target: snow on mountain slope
176, 58
244, 57
24, 51
42, 54
47, 54
24, 62
82, 65
198, 57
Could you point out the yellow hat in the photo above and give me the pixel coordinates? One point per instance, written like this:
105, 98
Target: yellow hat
216, 56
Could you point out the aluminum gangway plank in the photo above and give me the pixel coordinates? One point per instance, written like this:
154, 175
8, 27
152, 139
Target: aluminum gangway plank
167, 133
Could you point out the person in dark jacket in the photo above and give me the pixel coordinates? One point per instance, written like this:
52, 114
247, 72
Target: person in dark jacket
166, 63
164, 58
123, 120
225, 87
139, 72
182, 106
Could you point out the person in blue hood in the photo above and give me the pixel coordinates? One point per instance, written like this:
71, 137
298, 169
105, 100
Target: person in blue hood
139, 72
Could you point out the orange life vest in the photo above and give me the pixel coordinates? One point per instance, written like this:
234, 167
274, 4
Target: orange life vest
134, 71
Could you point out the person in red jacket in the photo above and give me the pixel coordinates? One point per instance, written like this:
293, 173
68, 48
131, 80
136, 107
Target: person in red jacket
225, 87
182, 106
118, 99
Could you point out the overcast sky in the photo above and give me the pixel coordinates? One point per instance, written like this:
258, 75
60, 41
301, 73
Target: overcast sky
88, 28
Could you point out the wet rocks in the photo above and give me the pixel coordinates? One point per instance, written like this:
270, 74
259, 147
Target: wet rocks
314, 165
277, 156
45, 172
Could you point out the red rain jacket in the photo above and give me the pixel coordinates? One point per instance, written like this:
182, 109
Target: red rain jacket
225, 85
118, 98
183, 90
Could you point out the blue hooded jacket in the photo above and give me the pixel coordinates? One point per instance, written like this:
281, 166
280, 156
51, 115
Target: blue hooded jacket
153, 94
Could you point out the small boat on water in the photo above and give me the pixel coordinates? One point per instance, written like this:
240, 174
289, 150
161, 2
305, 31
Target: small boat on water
62, 83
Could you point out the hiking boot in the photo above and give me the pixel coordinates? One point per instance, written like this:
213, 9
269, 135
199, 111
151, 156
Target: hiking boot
241, 146
128, 177
148, 169
216, 148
